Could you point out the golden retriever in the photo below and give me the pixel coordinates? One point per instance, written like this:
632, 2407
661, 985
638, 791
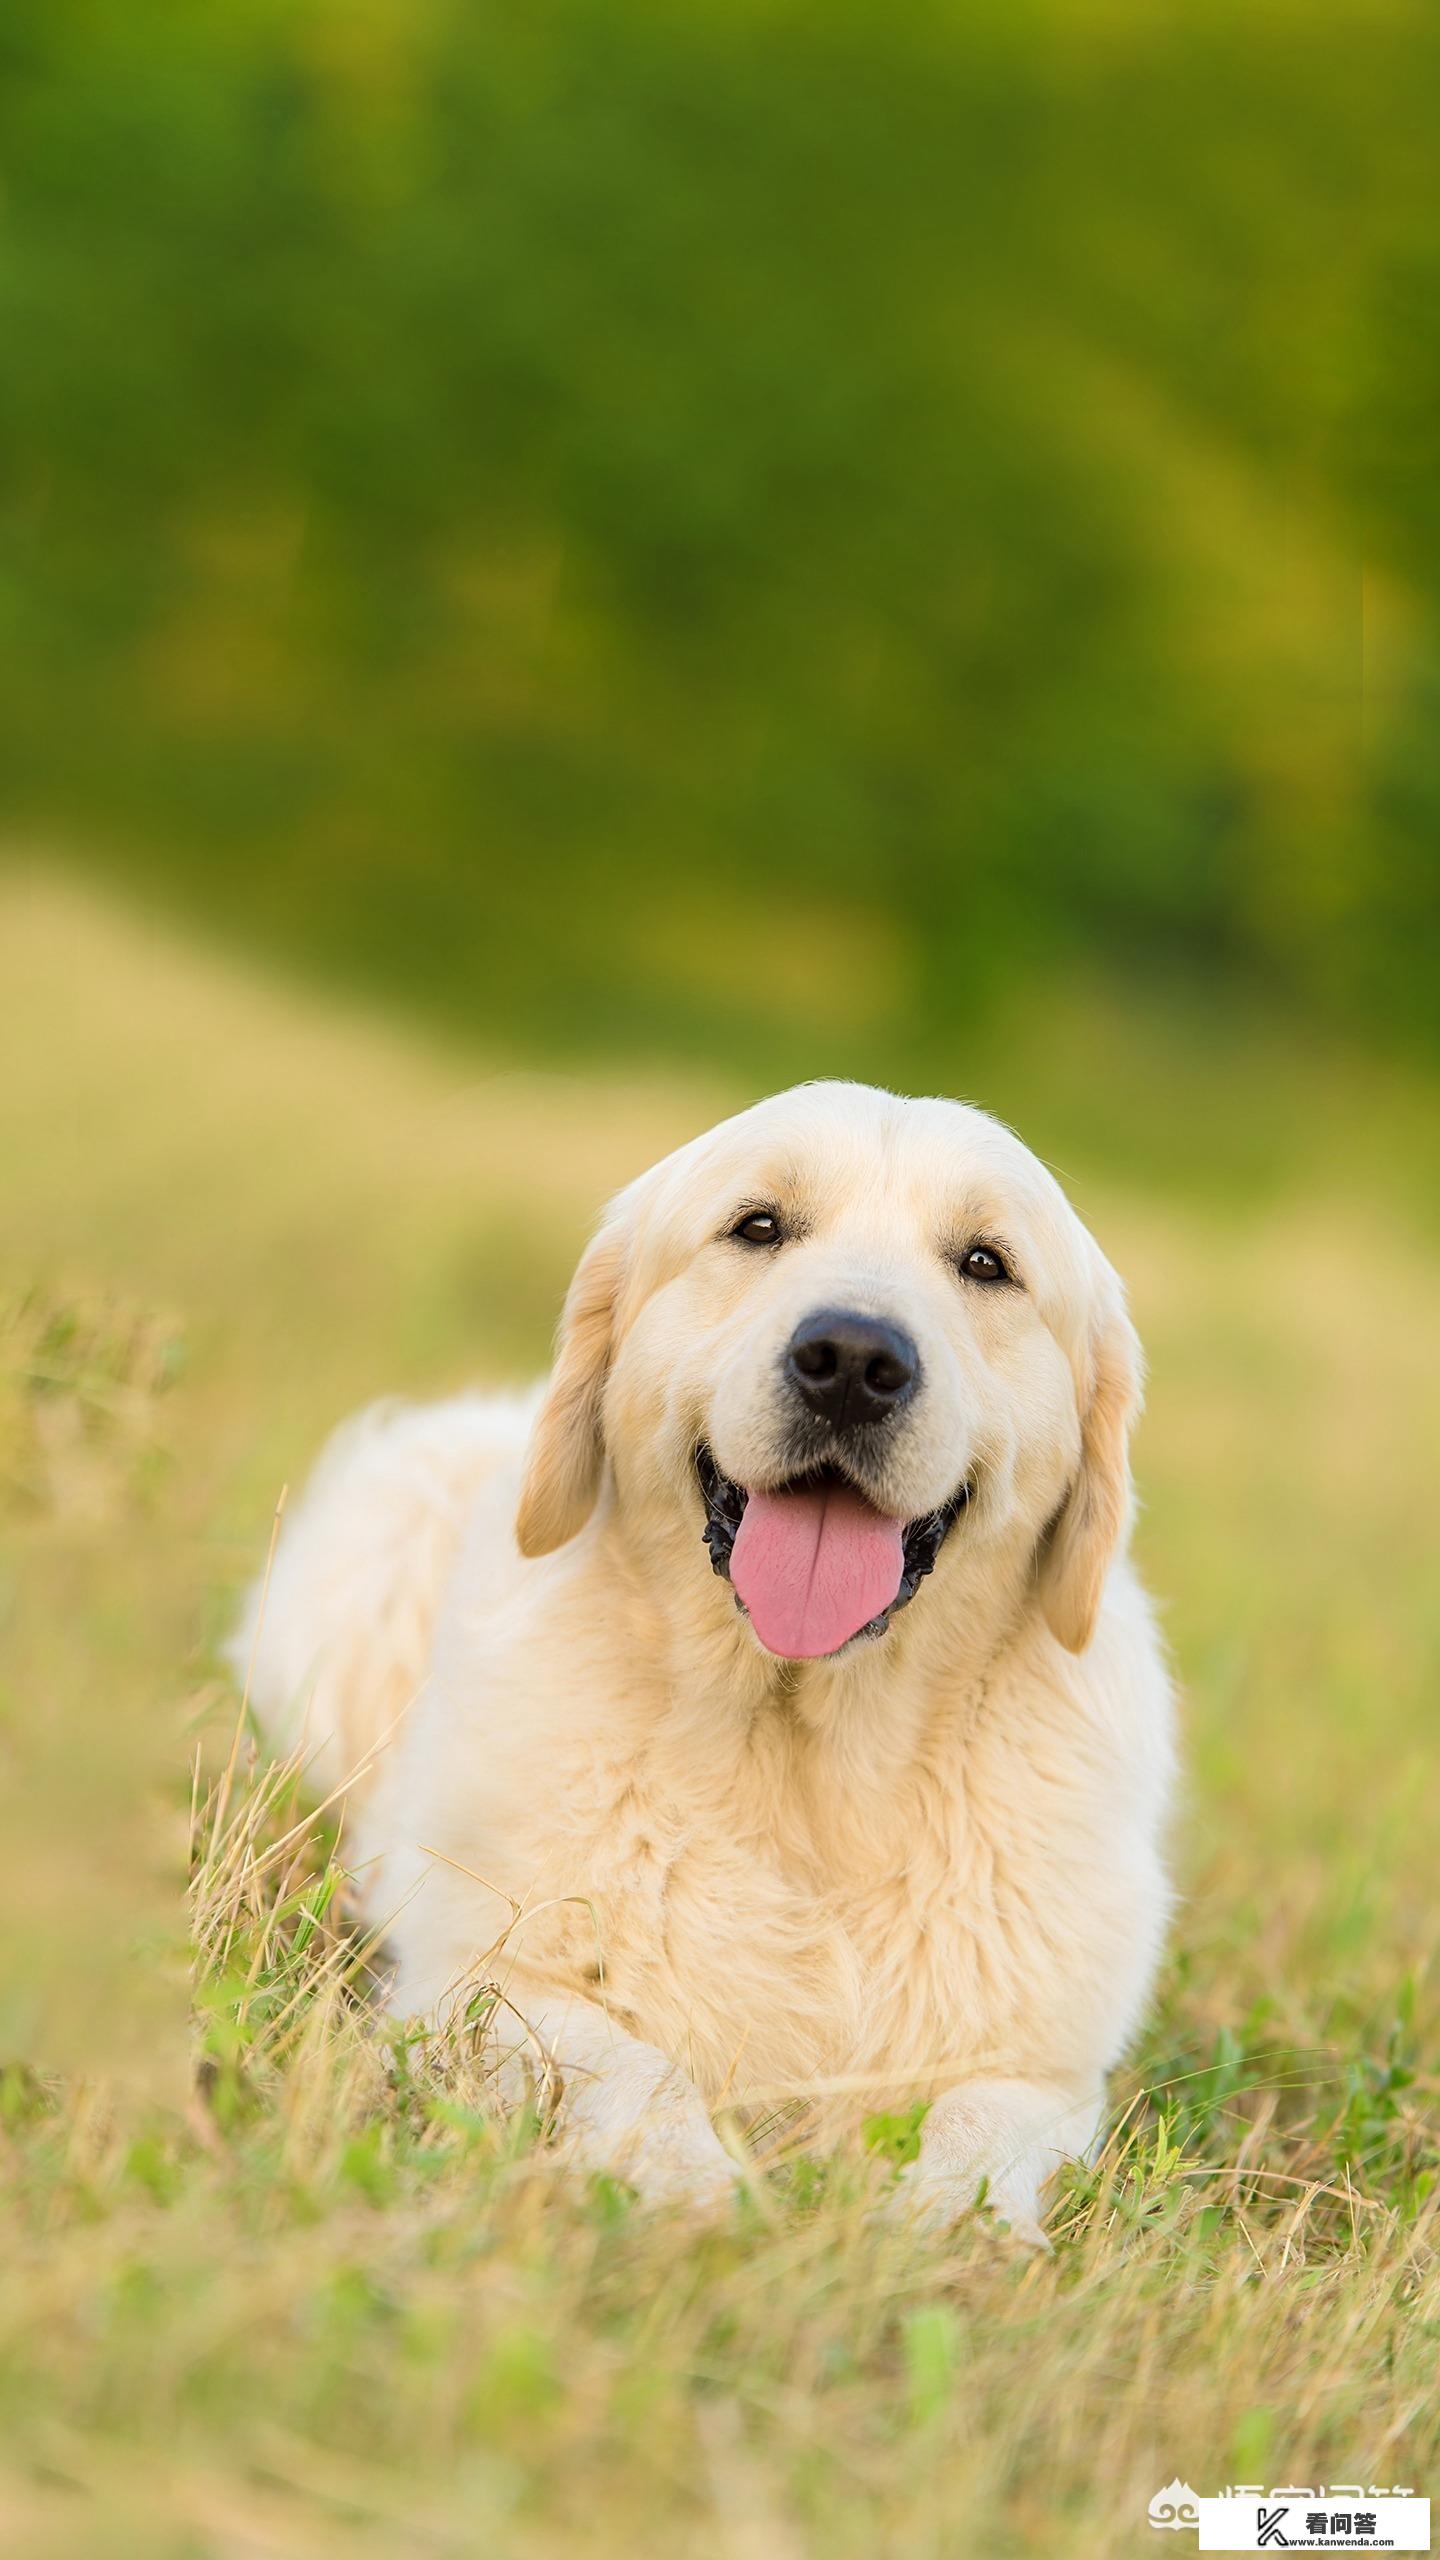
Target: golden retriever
766, 1705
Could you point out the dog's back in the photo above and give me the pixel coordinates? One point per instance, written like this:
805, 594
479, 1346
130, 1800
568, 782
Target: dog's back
337, 1645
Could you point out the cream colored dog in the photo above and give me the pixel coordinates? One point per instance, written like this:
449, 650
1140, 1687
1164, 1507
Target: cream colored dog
866, 1799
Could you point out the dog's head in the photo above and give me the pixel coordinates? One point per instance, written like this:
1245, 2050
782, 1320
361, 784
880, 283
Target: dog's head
835, 1338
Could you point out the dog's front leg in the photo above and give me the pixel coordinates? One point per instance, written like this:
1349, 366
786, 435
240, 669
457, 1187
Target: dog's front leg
1006, 2138
621, 2106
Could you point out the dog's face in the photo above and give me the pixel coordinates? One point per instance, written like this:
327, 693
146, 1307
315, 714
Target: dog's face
831, 1339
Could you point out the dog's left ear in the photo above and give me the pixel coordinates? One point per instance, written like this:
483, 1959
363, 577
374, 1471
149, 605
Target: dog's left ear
1096, 1512
562, 1470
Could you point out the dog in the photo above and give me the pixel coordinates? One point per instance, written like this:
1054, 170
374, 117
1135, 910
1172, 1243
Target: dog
765, 1707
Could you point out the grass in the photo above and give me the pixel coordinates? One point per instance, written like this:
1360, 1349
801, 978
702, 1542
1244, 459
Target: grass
299, 2292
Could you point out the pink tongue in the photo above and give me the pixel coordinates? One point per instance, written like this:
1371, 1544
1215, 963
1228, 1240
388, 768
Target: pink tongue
813, 1567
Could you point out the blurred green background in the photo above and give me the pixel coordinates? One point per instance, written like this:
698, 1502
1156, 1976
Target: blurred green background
753, 531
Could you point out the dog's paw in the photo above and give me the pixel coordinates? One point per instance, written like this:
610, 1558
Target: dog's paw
701, 2192
996, 2144
679, 2167
933, 2202
693, 2177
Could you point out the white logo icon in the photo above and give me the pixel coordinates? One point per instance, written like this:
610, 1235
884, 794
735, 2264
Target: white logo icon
1172, 2509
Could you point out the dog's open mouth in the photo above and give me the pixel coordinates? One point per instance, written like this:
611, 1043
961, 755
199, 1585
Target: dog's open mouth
813, 1563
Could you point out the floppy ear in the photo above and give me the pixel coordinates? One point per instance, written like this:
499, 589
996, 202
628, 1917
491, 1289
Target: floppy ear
1096, 1512
562, 1470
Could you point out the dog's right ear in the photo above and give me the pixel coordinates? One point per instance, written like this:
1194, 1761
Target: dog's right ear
567, 1450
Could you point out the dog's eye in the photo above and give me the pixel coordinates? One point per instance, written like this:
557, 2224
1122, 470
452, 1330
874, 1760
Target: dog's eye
981, 1262
758, 1226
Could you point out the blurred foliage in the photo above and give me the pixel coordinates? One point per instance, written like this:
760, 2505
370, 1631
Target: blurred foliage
80, 1388
759, 523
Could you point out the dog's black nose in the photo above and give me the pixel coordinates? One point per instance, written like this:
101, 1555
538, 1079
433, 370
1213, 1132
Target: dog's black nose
850, 1369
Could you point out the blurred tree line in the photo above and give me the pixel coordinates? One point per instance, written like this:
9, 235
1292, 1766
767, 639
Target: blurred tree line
753, 522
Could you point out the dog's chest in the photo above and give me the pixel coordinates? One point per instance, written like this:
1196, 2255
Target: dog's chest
774, 1940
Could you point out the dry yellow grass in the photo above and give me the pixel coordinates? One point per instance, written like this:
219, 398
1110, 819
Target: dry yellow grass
321, 2302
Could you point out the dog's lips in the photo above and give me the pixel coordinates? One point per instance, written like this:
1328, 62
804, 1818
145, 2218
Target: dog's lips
815, 1566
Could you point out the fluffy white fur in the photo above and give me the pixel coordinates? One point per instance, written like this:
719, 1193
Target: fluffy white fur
929, 1867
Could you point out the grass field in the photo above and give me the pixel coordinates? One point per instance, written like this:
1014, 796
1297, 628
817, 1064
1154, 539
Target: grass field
318, 2301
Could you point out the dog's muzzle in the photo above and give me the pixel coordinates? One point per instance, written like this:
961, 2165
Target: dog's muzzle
921, 1542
